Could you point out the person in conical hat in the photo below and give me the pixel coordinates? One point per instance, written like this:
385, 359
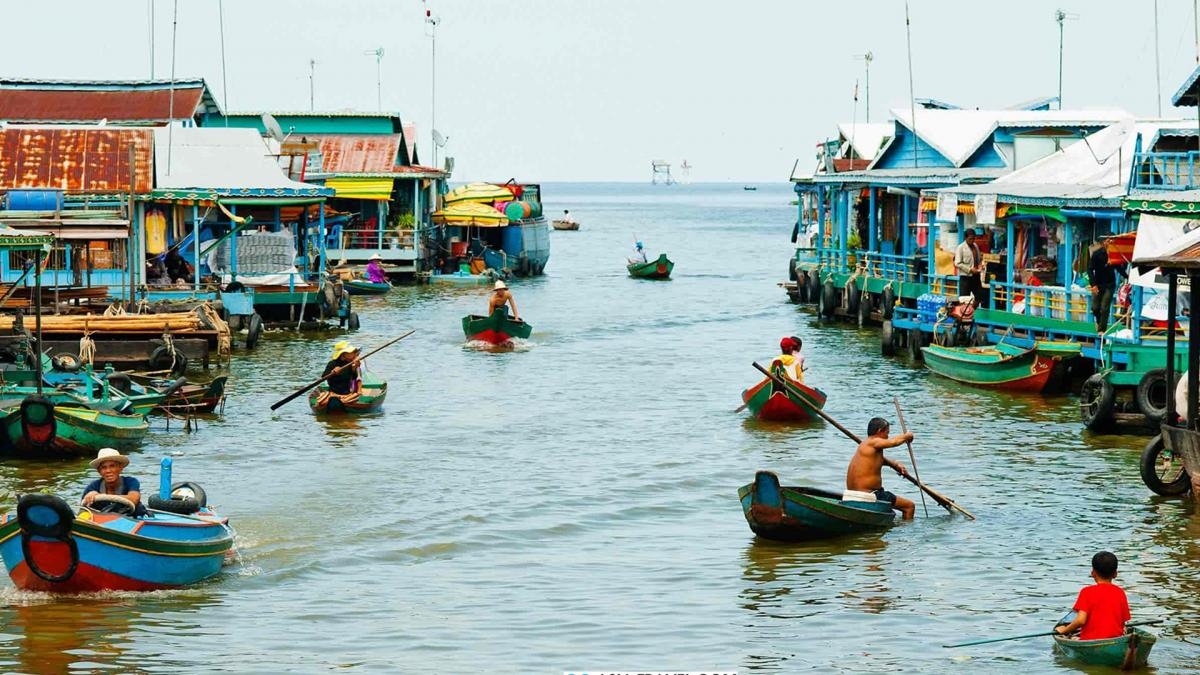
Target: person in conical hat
500, 297
109, 463
348, 377
375, 273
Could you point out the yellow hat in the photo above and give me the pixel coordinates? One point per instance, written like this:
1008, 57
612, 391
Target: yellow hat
343, 347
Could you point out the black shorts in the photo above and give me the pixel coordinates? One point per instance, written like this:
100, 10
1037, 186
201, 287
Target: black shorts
884, 496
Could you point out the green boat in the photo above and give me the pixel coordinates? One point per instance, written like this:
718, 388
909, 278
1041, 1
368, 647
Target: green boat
655, 269
368, 399
804, 513
496, 329
39, 426
1129, 651
364, 287
1000, 366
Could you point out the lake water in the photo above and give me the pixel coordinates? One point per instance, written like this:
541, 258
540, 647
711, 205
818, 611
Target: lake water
572, 504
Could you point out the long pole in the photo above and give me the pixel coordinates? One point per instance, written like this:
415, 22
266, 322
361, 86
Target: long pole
1157, 71
433, 91
379, 79
869, 57
171, 105
224, 84
912, 96
132, 248
37, 302
337, 370
912, 456
312, 75
1060, 17
150, 6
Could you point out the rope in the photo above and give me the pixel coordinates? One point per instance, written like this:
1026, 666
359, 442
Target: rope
87, 347
115, 309
143, 306
224, 335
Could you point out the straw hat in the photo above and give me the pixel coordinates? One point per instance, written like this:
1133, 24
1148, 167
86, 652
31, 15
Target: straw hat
500, 285
108, 455
343, 347
376, 257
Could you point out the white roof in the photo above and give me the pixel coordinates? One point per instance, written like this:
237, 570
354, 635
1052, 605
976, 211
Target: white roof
204, 158
867, 139
957, 134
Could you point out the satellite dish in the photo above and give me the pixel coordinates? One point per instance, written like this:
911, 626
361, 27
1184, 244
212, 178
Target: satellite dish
438, 139
272, 126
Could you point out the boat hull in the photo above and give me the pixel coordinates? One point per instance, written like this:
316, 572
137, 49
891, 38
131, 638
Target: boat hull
995, 367
369, 399
655, 269
75, 431
768, 402
803, 513
496, 329
364, 287
564, 225
1112, 652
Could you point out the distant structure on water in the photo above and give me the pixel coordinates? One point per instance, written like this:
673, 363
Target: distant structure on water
660, 172
686, 172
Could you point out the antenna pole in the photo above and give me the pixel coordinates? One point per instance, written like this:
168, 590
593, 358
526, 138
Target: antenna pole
379, 78
1157, 71
312, 73
150, 6
912, 100
854, 125
224, 84
433, 22
1060, 16
171, 105
868, 59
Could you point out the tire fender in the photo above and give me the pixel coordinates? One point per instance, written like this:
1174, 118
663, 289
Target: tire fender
1148, 467
887, 338
1151, 389
887, 303
1096, 400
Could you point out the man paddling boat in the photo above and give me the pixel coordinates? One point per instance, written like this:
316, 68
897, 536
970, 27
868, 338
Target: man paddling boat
865, 473
501, 297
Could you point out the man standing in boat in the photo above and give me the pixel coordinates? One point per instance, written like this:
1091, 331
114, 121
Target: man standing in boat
500, 297
865, 473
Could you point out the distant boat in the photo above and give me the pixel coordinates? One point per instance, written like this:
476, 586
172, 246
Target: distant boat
659, 268
564, 225
749, 187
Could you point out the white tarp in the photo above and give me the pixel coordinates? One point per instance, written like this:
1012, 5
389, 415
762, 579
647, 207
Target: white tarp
1159, 236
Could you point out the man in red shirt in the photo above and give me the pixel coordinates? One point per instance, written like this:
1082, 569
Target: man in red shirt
1101, 609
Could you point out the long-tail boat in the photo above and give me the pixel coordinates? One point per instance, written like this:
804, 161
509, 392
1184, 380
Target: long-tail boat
802, 513
1000, 366
496, 329
1128, 651
368, 399
770, 402
655, 269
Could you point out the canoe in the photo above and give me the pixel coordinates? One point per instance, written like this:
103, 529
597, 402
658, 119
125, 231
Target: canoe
47, 547
805, 513
1127, 652
655, 269
497, 329
364, 287
999, 366
40, 426
369, 399
767, 401
564, 225
188, 398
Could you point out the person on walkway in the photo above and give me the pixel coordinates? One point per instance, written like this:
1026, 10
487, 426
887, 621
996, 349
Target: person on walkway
349, 378
968, 261
109, 463
375, 273
500, 297
1103, 279
790, 363
865, 473
1101, 609
639, 254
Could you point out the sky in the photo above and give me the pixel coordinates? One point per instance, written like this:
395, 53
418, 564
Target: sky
594, 90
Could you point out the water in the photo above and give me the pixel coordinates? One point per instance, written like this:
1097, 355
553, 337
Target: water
572, 504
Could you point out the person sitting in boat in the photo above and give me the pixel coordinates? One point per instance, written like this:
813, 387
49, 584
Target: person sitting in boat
348, 378
109, 463
1101, 609
567, 217
639, 254
865, 472
500, 297
790, 364
375, 273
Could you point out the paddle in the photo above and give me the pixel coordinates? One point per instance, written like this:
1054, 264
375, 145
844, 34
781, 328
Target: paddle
310, 385
1147, 622
911, 455
942, 500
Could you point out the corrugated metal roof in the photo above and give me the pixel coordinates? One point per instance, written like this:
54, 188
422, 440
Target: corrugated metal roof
91, 159
1188, 94
358, 153
115, 101
410, 141
911, 176
313, 113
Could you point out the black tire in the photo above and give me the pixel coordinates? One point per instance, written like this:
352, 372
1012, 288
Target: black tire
853, 298
39, 525
236, 322
1096, 400
352, 322
864, 310
161, 359
814, 285
197, 492
792, 276
329, 300
887, 339
1177, 481
916, 340
67, 363
120, 382
828, 299
802, 287
254, 328
117, 504
887, 303
1152, 393
180, 505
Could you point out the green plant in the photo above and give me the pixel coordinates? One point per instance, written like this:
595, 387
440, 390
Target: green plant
404, 221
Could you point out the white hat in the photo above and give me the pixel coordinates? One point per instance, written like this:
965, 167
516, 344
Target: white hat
376, 257
499, 285
108, 455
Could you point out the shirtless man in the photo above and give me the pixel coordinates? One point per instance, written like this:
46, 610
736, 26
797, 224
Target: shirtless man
501, 297
865, 473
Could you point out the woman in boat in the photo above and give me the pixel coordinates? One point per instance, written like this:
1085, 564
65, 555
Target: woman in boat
348, 378
375, 273
500, 297
109, 463
790, 363
1102, 608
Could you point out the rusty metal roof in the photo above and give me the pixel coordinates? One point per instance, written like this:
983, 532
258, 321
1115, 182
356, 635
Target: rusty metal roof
343, 154
80, 159
410, 141
118, 102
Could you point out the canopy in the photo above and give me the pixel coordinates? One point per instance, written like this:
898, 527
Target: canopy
1160, 237
478, 192
470, 213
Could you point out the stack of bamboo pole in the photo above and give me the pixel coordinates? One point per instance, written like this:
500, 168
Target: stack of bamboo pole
176, 322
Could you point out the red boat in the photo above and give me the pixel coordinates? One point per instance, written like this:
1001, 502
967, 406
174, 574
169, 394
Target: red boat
769, 402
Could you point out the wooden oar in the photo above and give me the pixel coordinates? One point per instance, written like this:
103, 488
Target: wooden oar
942, 500
1147, 622
335, 371
911, 455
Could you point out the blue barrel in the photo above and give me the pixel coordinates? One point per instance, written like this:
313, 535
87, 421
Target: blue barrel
34, 200
510, 240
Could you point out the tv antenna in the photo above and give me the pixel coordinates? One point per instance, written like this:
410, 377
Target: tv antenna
1061, 17
273, 129
439, 140
378, 54
868, 58
312, 74
433, 22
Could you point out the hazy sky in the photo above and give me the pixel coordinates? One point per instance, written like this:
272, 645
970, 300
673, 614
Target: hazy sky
547, 90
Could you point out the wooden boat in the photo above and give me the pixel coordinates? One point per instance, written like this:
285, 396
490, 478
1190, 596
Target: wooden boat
803, 513
564, 224
40, 426
364, 287
655, 269
187, 398
497, 329
1126, 652
369, 399
1000, 366
47, 547
767, 401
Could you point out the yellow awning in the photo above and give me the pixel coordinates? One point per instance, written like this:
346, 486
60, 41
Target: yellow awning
379, 189
469, 213
478, 192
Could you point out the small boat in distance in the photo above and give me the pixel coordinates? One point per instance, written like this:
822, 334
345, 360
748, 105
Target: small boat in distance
1127, 652
768, 402
655, 269
497, 329
749, 187
564, 224
805, 513
368, 399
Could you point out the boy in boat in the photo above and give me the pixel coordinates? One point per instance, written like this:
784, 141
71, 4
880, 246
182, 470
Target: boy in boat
346, 380
1101, 609
639, 254
500, 297
865, 472
375, 273
789, 363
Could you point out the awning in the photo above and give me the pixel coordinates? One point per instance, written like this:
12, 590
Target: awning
469, 213
379, 189
88, 233
1159, 237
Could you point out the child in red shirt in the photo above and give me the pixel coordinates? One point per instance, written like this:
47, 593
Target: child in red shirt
1102, 609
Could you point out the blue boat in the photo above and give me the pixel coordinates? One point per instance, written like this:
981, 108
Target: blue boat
180, 541
804, 513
